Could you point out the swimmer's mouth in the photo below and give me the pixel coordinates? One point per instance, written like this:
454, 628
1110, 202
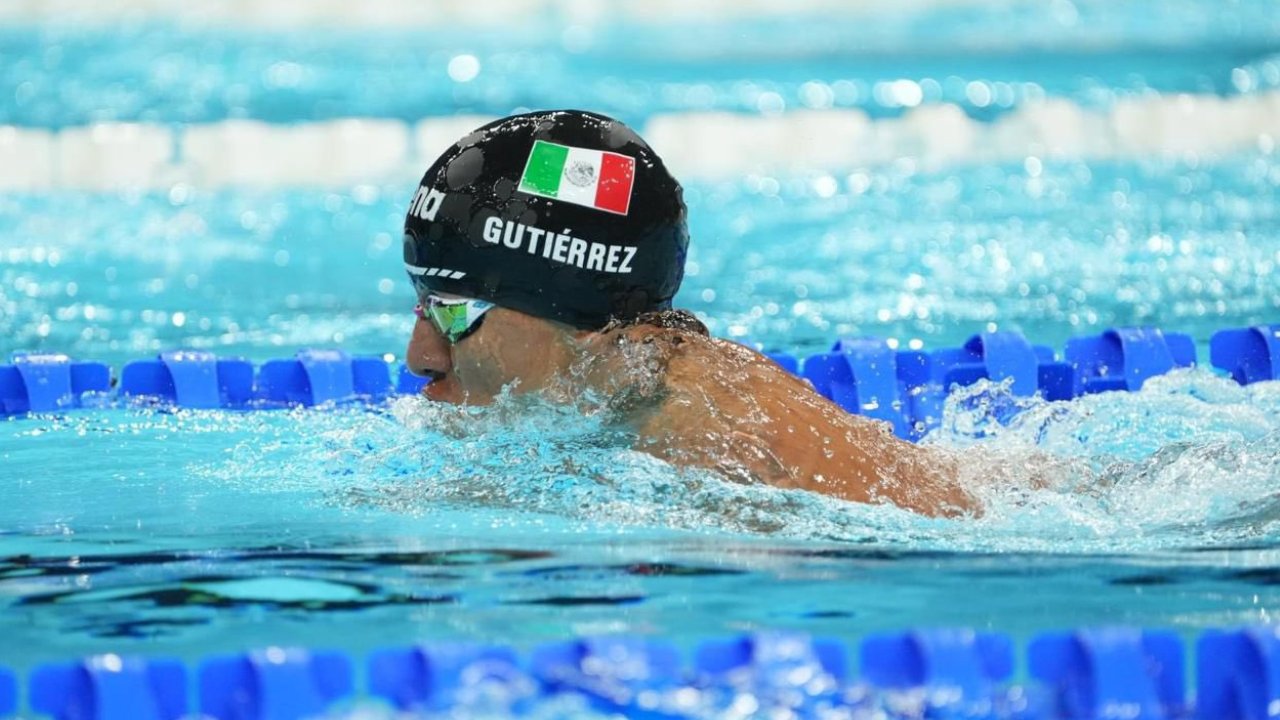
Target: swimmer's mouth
434, 375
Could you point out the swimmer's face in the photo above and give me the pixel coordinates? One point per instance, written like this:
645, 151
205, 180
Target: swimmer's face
508, 347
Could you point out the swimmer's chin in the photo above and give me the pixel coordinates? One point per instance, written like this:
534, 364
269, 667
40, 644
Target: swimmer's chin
445, 390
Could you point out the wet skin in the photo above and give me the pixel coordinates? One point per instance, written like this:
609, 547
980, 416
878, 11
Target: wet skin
694, 401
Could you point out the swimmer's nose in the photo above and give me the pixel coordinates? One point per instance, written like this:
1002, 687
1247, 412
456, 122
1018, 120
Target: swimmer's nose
428, 354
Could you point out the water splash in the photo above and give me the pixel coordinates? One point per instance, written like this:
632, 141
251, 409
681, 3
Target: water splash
1191, 460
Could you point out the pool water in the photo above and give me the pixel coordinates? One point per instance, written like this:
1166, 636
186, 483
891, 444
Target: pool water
148, 530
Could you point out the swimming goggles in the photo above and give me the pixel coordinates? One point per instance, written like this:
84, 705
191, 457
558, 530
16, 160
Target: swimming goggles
454, 318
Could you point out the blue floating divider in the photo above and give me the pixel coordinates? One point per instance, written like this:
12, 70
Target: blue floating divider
909, 388
787, 362
1085, 674
964, 663
1000, 356
1125, 358
865, 376
767, 652
1238, 674
861, 376
314, 377
190, 379
436, 677
48, 382
610, 671
8, 691
407, 383
110, 687
1249, 354
766, 666
274, 684
1111, 673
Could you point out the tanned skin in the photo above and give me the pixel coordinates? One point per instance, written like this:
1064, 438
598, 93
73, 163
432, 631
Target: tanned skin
693, 401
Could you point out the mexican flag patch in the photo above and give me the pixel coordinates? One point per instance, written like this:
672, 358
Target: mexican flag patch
592, 178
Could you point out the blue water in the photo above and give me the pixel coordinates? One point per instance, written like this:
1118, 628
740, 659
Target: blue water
791, 263
184, 533
1091, 51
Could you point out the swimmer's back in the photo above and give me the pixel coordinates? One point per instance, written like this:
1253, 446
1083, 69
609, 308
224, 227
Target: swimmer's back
720, 405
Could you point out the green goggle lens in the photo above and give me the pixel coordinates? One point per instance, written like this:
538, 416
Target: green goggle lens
455, 319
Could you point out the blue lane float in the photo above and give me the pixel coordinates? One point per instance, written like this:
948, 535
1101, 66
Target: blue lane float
1111, 672
1249, 354
786, 361
1084, 674
315, 377
952, 662
862, 376
8, 692
407, 383
999, 357
190, 379
1238, 675
274, 684
1125, 358
201, 380
49, 382
762, 655
110, 686
612, 674
866, 376
437, 677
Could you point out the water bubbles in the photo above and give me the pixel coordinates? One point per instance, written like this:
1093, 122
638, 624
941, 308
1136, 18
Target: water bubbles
770, 103
978, 93
847, 93
699, 96
283, 75
179, 194
898, 93
1243, 80
825, 186
464, 68
817, 95
858, 183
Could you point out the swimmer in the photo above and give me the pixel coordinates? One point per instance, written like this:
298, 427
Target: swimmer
545, 250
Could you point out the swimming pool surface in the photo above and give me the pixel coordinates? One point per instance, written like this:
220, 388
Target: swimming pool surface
155, 531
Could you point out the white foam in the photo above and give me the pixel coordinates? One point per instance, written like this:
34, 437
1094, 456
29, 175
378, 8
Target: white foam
695, 145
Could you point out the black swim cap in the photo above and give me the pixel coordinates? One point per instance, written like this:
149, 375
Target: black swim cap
564, 215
